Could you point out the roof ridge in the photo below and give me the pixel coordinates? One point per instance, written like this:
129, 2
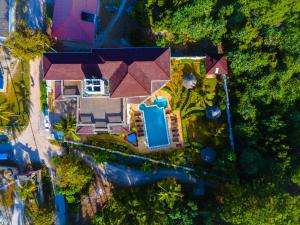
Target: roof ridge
123, 76
137, 80
160, 66
44, 75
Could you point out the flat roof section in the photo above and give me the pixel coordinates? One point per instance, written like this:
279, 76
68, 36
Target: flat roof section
97, 110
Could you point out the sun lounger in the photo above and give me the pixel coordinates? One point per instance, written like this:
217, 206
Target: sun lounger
175, 140
138, 120
173, 118
137, 113
175, 135
168, 111
174, 129
140, 133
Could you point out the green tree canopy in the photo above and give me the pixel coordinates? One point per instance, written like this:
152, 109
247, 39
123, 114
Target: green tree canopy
259, 203
72, 176
25, 43
160, 203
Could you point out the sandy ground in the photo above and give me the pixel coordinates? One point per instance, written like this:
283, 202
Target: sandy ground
33, 145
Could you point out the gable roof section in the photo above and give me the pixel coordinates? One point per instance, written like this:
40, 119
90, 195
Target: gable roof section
67, 23
70, 66
216, 65
130, 71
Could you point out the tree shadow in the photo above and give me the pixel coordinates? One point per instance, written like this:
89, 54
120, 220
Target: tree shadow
23, 154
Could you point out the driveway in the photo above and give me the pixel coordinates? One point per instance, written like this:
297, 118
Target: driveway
33, 145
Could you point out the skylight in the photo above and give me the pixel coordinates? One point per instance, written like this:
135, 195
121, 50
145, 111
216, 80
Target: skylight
94, 86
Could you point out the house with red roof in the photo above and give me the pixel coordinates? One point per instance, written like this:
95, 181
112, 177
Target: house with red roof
104, 82
74, 20
216, 65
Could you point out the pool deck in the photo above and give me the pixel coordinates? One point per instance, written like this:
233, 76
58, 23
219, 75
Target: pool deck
142, 143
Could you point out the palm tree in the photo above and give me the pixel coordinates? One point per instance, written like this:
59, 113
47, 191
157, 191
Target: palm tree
27, 191
170, 192
4, 113
68, 127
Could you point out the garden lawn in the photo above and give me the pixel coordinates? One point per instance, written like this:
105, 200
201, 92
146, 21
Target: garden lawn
17, 94
193, 103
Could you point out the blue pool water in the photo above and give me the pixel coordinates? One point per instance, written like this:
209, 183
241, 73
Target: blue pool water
1, 79
59, 136
156, 128
6, 147
161, 102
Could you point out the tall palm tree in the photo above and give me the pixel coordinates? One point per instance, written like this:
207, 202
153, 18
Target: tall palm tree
4, 113
68, 127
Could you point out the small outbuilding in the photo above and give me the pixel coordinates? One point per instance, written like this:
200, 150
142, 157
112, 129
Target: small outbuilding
208, 155
216, 65
189, 81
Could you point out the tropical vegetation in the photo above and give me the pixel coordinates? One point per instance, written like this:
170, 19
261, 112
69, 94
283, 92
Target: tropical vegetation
68, 127
36, 42
72, 176
262, 42
161, 203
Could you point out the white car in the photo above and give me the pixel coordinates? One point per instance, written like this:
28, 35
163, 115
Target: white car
47, 123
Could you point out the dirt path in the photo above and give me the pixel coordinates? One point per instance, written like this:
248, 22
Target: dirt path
33, 145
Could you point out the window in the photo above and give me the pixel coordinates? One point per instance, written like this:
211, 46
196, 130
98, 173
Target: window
94, 86
89, 17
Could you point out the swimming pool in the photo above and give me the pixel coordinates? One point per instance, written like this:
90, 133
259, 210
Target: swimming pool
6, 147
1, 79
157, 133
161, 102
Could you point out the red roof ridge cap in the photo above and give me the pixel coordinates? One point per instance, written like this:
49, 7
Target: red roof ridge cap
137, 80
139, 83
160, 68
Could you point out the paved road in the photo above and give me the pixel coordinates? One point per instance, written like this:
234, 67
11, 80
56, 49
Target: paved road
126, 177
33, 145
35, 14
103, 37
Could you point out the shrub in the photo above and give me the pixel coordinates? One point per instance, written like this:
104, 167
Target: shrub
43, 97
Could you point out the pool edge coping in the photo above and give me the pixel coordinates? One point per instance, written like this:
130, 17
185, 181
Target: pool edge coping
166, 126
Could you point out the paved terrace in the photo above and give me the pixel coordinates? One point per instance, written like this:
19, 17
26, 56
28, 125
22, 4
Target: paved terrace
100, 111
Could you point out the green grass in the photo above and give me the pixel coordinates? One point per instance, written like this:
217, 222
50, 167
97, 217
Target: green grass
43, 97
17, 94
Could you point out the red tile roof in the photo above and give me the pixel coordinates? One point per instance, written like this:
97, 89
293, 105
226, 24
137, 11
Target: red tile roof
57, 90
85, 130
130, 71
216, 65
67, 23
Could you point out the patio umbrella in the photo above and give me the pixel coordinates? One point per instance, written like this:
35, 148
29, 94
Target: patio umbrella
213, 112
208, 155
189, 81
